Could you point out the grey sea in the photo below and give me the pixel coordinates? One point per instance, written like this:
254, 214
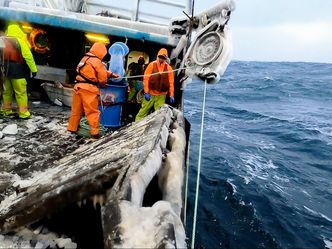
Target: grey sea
266, 179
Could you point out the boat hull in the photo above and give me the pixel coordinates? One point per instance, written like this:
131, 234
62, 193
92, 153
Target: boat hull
58, 95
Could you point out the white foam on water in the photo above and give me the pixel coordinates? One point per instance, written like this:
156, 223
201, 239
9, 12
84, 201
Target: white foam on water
242, 203
211, 114
328, 243
192, 112
280, 179
256, 167
229, 181
265, 146
317, 214
246, 179
280, 189
268, 78
221, 129
306, 193
324, 130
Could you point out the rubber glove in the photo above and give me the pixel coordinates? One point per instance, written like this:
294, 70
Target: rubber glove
114, 75
171, 100
147, 96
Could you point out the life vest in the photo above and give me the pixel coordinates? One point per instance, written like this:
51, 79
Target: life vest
12, 51
80, 66
159, 81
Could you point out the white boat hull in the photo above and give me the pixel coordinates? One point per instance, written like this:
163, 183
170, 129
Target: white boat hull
59, 95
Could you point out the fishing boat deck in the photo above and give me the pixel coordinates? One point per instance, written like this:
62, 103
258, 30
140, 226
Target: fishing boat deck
39, 142
44, 169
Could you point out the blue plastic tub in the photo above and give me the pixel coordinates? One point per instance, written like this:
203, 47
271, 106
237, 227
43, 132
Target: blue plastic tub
111, 99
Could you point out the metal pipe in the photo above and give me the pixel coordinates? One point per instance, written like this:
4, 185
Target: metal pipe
175, 4
105, 6
146, 20
136, 10
154, 15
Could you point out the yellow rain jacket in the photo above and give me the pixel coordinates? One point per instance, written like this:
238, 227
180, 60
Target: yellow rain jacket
15, 81
15, 31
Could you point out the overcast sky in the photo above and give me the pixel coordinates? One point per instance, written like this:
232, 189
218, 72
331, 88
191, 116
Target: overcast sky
280, 30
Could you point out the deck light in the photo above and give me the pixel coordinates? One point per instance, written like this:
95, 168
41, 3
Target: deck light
97, 38
27, 28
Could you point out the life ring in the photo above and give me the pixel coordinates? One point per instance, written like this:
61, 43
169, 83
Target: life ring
35, 35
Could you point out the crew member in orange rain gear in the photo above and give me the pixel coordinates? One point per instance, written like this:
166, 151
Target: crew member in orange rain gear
90, 73
158, 81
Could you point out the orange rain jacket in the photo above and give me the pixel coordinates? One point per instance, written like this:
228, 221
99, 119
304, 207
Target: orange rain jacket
161, 67
85, 98
92, 68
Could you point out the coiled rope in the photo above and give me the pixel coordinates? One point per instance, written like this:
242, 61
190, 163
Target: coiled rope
199, 168
84, 129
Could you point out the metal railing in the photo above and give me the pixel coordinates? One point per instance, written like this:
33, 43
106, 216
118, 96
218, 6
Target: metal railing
148, 11
137, 12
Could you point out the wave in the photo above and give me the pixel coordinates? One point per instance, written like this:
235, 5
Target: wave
328, 243
268, 78
317, 214
221, 129
287, 129
256, 167
234, 188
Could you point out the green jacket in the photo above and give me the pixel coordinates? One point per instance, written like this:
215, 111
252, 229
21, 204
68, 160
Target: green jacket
14, 30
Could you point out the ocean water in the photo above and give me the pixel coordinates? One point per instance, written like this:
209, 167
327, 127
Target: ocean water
266, 179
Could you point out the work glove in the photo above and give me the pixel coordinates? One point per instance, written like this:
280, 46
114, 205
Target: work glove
115, 75
171, 100
147, 96
34, 74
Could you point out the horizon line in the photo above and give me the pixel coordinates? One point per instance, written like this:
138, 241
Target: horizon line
279, 61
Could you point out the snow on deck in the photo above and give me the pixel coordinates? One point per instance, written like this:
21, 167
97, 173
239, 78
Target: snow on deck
44, 168
39, 141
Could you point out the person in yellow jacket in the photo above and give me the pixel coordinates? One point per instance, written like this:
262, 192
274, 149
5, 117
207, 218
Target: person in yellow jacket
19, 62
158, 82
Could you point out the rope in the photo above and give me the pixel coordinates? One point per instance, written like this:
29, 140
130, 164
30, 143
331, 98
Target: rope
199, 168
102, 109
84, 128
142, 75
